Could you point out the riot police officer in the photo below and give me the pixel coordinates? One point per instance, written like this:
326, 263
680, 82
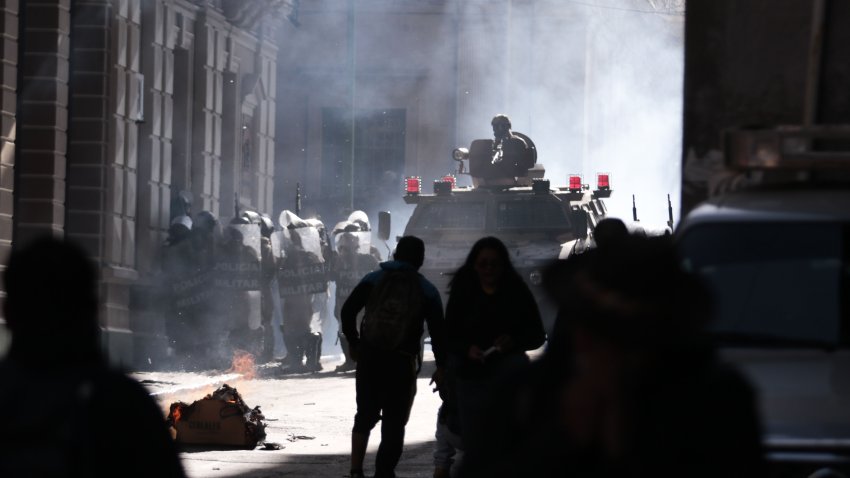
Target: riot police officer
268, 284
301, 275
354, 257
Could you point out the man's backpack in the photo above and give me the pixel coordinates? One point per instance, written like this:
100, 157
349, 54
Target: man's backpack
394, 311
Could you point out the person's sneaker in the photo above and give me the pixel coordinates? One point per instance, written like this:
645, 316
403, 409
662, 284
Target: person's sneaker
346, 366
356, 474
288, 360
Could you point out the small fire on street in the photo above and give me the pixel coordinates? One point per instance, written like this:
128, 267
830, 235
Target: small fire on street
221, 419
243, 364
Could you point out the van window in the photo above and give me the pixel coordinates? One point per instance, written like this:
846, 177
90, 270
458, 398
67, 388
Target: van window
779, 281
531, 215
460, 215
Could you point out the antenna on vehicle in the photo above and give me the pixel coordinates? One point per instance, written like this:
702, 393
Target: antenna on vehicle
298, 199
669, 212
634, 209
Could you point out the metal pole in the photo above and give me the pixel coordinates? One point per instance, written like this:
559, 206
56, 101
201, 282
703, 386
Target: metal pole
669, 212
634, 209
352, 64
814, 63
298, 199
508, 66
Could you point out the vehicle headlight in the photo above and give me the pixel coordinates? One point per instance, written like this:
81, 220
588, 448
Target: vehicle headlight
459, 154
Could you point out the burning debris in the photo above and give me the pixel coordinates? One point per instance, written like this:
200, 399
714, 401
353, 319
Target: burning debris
220, 419
244, 363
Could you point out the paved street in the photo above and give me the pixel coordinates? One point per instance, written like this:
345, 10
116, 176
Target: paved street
310, 415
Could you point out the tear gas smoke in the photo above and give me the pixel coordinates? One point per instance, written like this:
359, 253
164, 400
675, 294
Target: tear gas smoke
597, 85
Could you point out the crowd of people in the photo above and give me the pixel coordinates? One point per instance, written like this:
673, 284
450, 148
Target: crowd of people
627, 385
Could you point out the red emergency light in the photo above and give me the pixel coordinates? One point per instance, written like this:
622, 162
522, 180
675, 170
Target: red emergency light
412, 185
450, 178
602, 182
574, 183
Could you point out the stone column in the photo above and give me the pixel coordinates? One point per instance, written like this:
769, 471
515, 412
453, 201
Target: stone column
8, 126
210, 63
106, 107
267, 70
43, 123
167, 44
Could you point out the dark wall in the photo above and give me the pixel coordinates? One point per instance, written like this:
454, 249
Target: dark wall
746, 65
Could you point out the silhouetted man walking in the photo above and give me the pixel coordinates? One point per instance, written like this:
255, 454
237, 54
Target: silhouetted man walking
398, 302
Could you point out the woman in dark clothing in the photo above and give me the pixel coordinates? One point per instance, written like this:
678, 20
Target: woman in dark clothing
492, 319
491, 314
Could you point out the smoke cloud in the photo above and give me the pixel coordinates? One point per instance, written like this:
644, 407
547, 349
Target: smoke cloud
597, 85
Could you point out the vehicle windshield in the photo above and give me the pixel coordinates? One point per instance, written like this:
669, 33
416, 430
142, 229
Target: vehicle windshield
451, 215
774, 282
531, 215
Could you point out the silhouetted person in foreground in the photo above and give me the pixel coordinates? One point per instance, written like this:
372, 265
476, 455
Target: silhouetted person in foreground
66, 413
609, 232
398, 302
630, 384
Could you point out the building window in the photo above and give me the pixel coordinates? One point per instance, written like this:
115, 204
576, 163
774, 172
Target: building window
378, 154
247, 184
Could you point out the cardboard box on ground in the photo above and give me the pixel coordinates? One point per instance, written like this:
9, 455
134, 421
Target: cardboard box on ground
221, 419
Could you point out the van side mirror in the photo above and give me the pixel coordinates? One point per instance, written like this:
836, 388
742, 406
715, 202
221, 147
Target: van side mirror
384, 225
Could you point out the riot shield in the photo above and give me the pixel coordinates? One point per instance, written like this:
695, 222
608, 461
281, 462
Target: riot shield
357, 242
188, 290
276, 240
303, 268
353, 260
237, 282
238, 260
324, 238
307, 239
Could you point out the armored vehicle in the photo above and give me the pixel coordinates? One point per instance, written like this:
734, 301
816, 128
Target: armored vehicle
537, 222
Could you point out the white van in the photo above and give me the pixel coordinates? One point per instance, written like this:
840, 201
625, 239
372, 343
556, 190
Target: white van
777, 257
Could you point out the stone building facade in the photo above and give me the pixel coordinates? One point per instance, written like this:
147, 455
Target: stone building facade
112, 108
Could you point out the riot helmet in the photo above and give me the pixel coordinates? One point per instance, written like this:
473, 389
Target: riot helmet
205, 221
289, 220
250, 217
361, 219
179, 229
266, 225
